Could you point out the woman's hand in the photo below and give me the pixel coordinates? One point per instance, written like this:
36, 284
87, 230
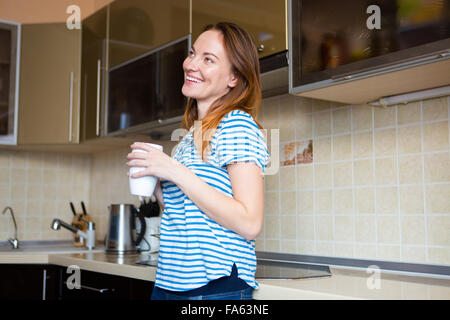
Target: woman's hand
156, 162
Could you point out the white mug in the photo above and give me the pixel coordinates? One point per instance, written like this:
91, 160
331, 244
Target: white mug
143, 186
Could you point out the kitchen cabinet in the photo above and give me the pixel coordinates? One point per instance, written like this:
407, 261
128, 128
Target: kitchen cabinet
359, 52
138, 26
100, 286
94, 67
9, 63
49, 84
29, 282
49, 282
264, 20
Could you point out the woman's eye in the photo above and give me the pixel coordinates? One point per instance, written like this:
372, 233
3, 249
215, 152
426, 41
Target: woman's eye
208, 60
191, 53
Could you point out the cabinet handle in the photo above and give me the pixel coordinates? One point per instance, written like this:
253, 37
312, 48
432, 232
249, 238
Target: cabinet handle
99, 66
70, 106
260, 48
44, 284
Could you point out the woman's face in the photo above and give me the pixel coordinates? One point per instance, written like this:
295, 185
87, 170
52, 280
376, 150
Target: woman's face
207, 69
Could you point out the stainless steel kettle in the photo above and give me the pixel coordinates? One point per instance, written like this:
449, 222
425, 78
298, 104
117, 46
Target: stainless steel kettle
121, 236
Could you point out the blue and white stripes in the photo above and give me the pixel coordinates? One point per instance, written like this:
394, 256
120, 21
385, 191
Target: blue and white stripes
193, 248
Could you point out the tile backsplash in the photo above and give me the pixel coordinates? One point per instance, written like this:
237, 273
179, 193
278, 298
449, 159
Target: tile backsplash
354, 181
378, 185
39, 186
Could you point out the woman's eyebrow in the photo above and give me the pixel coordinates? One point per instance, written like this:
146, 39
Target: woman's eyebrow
205, 53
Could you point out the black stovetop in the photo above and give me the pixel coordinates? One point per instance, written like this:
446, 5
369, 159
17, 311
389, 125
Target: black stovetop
267, 269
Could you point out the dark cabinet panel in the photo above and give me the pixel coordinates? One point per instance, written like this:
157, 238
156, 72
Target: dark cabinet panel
29, 282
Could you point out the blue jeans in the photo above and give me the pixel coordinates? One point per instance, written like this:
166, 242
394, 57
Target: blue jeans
244, 294
225, 288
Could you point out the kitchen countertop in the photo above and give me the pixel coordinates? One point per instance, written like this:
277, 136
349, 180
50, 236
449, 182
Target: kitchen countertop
343, 284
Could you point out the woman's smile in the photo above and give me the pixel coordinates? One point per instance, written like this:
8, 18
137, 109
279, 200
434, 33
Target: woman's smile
192, 80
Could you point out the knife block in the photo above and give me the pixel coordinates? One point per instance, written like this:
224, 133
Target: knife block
82, 225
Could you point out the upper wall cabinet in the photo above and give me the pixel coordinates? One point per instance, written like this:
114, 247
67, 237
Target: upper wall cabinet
49, 84
264, 20
360, 51
138, 26
93, 73
9, 66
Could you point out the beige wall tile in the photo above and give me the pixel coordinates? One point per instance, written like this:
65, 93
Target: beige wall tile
413, 230
438, 255
410, 169
323, 204
437, 198
305, 202
409, 140
411, 199
341, 120
342, 147
4, 175
320, 105
288, 202
305, 227
302, 105
5, 158
435, 109
322, 150
388, 229
322, 124
362, 117
289, 227
289, 246
384, 117
438, 230
386, 200
325, 248
324, 225
303, 126
437, 167
287, 178
364, 199
363, 172
385, 142
413, 253
365, 229
271, 203
343, 228
362, 145
408, 113
435, 136
385, 171
322, 176
272, 226
343, 201
342, 174
306, 247
273, 245
388, 252
271, 182
305, 176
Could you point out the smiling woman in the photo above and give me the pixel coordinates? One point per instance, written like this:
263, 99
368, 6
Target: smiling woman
212, 189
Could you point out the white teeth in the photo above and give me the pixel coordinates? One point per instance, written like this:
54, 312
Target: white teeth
192, 79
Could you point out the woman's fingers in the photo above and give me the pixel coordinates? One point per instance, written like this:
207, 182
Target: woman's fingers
137, 163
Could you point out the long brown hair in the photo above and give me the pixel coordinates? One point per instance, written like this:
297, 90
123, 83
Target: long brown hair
245, 96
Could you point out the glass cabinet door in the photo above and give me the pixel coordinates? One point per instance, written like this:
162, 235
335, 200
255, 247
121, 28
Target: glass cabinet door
264, 20
139, 26
8, 85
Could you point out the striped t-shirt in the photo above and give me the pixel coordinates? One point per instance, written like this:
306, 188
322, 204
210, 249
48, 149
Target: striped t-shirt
194, 249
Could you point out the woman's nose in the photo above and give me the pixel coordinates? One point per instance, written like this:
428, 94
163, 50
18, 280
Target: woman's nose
191, 64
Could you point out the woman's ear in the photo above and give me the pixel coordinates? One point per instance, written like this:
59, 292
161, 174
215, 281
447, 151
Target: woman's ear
233, 81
